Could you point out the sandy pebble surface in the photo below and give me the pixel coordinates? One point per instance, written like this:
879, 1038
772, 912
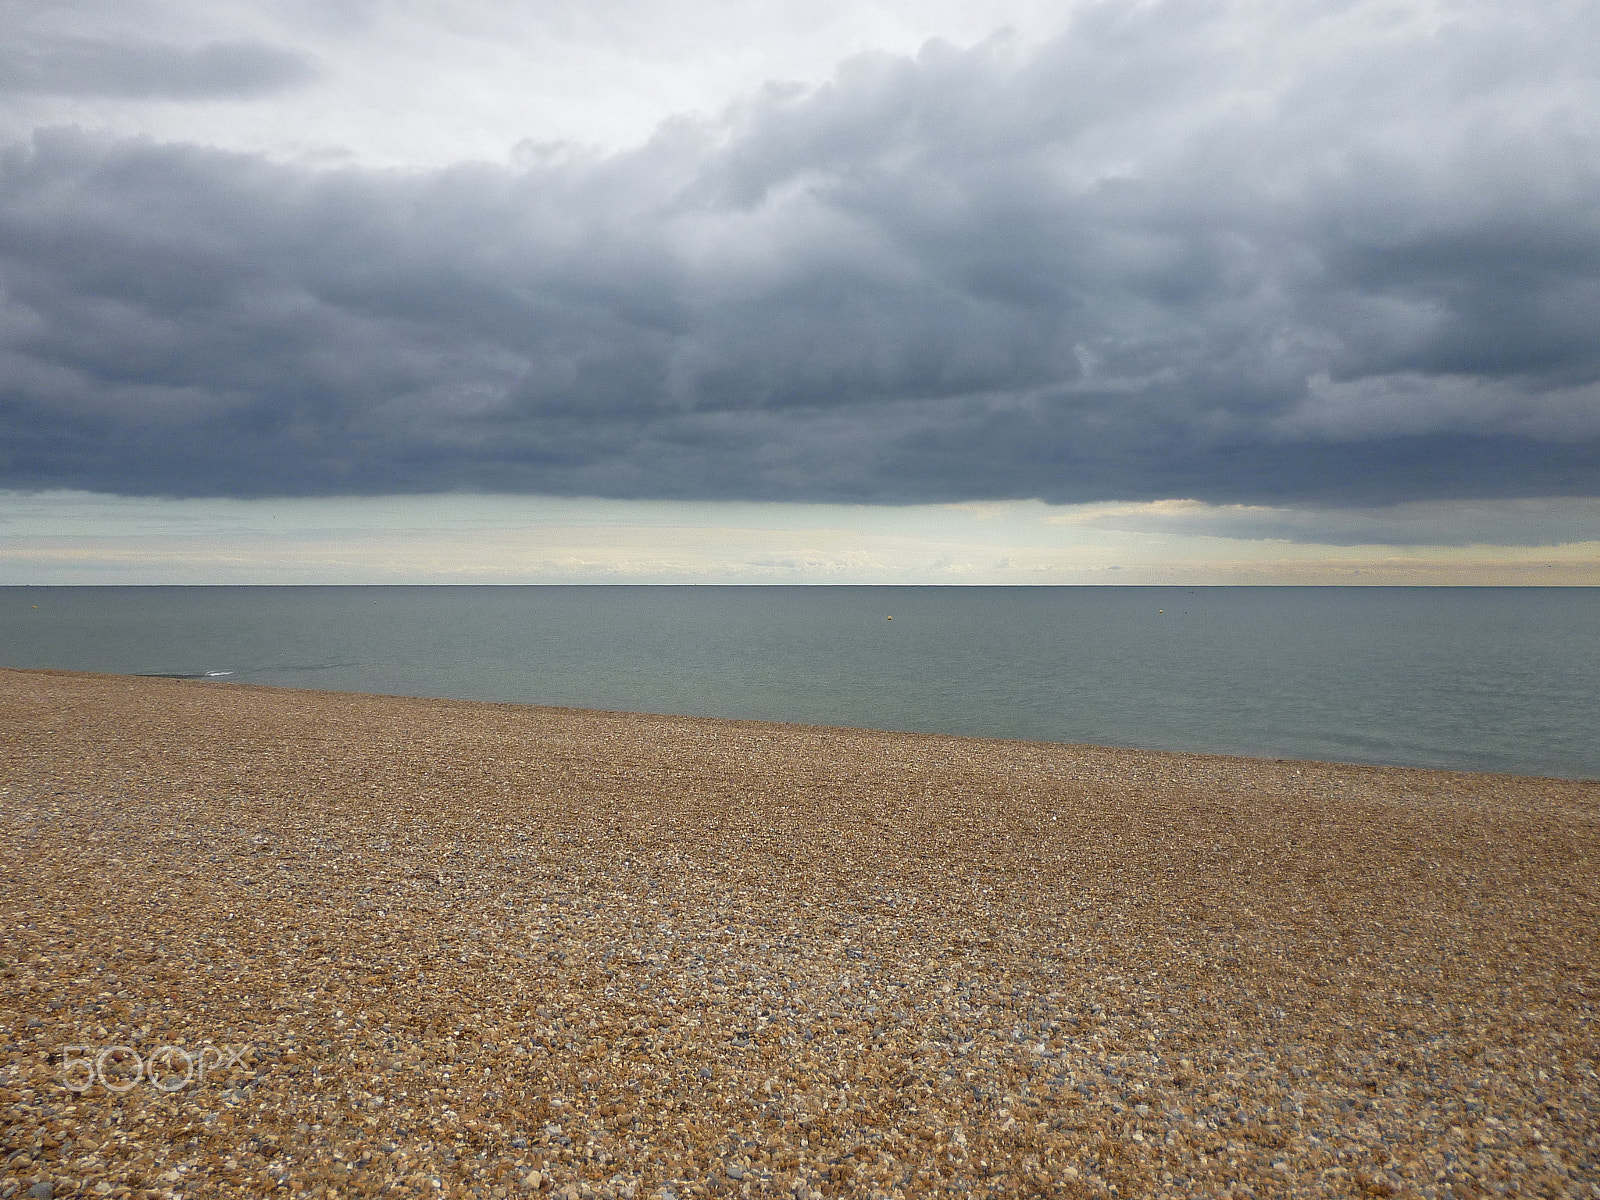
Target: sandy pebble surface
449, 948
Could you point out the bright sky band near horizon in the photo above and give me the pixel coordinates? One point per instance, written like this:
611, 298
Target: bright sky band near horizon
86, 539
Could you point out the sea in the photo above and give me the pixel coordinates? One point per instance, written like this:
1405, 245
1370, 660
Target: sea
1479, 679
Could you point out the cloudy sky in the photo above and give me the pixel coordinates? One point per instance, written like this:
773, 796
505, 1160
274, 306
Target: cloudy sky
871, 291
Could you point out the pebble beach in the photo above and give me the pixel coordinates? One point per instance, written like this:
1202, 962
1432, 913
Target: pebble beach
265, 942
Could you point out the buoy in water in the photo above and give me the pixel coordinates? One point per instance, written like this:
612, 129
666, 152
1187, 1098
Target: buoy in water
888, 618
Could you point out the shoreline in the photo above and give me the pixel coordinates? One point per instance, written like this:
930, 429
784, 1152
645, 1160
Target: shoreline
221, 679
543, 950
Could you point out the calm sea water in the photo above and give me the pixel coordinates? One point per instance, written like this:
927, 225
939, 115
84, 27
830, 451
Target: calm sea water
1475, 678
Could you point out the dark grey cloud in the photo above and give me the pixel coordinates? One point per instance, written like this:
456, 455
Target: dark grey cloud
1172, 253
147, 70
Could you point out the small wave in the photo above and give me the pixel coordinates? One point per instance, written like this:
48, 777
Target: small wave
181, 674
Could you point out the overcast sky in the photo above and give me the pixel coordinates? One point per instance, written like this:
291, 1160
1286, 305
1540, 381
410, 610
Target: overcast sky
1251, 281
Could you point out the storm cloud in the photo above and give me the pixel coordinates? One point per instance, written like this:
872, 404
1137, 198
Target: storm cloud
1231, 252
